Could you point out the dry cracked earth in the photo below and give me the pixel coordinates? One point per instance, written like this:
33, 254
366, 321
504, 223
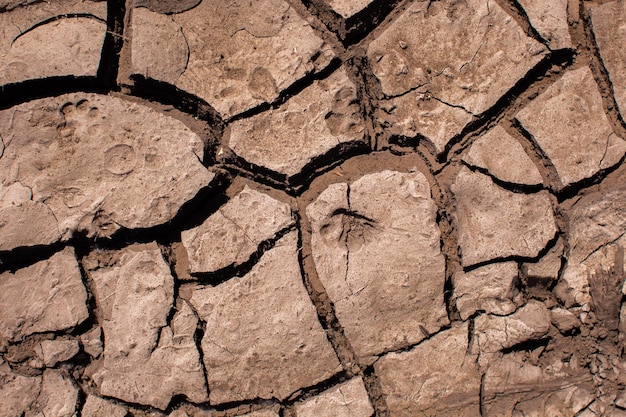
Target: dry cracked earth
311, 208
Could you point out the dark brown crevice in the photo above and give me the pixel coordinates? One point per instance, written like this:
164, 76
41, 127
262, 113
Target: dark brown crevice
22, 92
166, 255
481, 396
572, 190
113, 43
365, 99
297, 183
449, 248
513, 187
375, 392
197, 339
192, 212
355, 28
323, 305
545, 166
92, 320
54, 19
517, 11
601, 74
517, 258
22, 257
239, 270
167, 94
295, 88
456, 145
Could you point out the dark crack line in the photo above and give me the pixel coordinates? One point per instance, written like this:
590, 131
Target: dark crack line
239, 270
297, 183
531, 30
517, 258
54, 19
290, 91
509, 186
599, 68
346, 240
459, 142
547, 169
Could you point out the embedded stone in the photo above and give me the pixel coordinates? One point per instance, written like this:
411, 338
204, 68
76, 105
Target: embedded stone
503, 156
348, 399
437, 377
494, 333
609, 27
51, 39
96, 407
490, 288
568, 122
457, 57
147, 357
564, 320
263, 339
97, 163
258, 49
385, 296
234, 232
310, 124
550, 20
47, 296
495, 223
58, 350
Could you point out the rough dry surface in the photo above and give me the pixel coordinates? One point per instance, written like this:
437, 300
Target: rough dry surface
304, 208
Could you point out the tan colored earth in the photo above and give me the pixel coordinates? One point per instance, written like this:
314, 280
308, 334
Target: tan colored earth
312, 208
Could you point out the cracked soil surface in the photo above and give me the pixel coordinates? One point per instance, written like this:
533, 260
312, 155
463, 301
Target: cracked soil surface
305, 208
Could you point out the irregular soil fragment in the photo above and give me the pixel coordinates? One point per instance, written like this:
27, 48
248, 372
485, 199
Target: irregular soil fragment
377, 252
97, 163
320, 118
262, 336
609, 28
512, 387
51, 39
231, 235
436, 378
257, 50
569, 124
503, 156
51, 297
457, 56
148, 356
597, 226
494, 333
550, 20
494, 223
96, 407
491, 288
345, 400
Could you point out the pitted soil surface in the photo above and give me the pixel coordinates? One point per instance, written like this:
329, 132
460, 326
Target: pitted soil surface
303, 208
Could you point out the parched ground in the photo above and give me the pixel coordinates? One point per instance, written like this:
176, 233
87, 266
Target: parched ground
343, 208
